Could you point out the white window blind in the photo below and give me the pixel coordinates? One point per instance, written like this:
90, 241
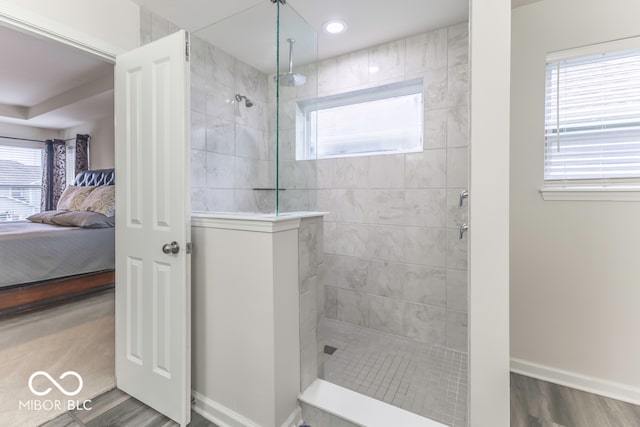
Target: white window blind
20, 181
592, 117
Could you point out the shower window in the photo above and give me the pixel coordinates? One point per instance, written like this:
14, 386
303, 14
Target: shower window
380, 120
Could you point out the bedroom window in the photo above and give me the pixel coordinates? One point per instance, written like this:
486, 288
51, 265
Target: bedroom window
379, 120
20, 181
592, 116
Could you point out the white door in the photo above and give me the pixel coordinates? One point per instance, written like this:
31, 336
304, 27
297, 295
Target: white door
153, 283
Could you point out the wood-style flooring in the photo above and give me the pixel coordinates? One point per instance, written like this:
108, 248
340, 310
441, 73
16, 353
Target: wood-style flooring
536, 403
115, 408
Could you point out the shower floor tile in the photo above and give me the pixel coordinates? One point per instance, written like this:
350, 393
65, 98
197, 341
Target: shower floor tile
425, 379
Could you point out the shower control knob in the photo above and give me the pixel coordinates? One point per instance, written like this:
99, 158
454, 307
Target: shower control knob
463, 195
463, 229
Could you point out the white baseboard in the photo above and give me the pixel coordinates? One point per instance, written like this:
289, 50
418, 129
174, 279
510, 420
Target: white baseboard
295, 419
225, 417
218, 414
586, 383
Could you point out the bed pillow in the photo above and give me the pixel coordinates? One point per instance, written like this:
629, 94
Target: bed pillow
84, 219
45, 217
73, 197
101, 200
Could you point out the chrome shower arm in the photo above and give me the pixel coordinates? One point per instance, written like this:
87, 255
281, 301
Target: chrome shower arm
291, 42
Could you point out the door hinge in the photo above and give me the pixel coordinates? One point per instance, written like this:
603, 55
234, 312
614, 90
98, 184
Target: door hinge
187, 49
189, 247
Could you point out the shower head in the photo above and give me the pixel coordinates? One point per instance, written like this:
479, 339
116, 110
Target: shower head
247, 102
290, 78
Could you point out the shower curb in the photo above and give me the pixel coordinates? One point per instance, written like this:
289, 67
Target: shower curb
322, 401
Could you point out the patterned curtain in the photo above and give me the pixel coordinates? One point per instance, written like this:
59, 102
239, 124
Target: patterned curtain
82, 153
54, 178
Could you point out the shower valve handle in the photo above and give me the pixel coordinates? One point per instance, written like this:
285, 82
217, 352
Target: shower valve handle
463, 195
463, 229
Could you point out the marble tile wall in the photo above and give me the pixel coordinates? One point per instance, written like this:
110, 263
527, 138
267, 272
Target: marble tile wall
229, 141
298, 178
229, 152
310, 257
393, 260
392, 257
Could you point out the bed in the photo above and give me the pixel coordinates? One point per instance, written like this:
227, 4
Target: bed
59, 258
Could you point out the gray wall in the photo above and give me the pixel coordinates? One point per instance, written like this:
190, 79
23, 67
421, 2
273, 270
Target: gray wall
393, 260
311, 300
229, 142
229, 154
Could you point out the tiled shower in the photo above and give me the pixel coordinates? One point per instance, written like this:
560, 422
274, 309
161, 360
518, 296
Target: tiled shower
394, 261
393, 264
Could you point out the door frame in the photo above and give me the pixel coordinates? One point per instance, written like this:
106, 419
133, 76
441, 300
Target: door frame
31, 23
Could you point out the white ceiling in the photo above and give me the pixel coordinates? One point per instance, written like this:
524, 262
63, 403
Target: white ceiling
50, 85
246, 28
47, 84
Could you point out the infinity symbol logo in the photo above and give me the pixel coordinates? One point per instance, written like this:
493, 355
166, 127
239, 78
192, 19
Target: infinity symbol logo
55, 383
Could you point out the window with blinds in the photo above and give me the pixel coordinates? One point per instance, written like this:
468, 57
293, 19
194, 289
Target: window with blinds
20, 181
592, 117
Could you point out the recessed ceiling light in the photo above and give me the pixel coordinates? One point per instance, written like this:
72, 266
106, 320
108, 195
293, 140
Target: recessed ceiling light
334, 27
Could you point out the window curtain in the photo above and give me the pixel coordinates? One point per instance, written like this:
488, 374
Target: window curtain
54, 173
54, 176
82, 153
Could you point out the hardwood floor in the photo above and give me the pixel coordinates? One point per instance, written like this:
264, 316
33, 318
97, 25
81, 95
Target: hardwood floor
116, 408
536, 403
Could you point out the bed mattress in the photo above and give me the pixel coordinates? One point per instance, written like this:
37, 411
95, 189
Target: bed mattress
33, 252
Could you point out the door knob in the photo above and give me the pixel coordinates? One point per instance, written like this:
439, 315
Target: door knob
171, 248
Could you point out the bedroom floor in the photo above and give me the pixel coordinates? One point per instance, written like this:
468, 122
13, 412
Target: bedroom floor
76, 335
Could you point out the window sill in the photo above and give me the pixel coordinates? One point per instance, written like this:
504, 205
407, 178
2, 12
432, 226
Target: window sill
626, 193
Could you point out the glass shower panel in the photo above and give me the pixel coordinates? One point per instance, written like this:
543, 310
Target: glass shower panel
233, 64
295, 85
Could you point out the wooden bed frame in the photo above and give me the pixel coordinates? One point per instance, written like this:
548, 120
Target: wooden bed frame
34, 295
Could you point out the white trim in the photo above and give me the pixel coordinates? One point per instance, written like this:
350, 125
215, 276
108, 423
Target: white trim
593, 193
586, 383
359, 409
245, 224
225, 417
594, 49
31, 23
248, 222
295, 419
488, 318
218, 414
